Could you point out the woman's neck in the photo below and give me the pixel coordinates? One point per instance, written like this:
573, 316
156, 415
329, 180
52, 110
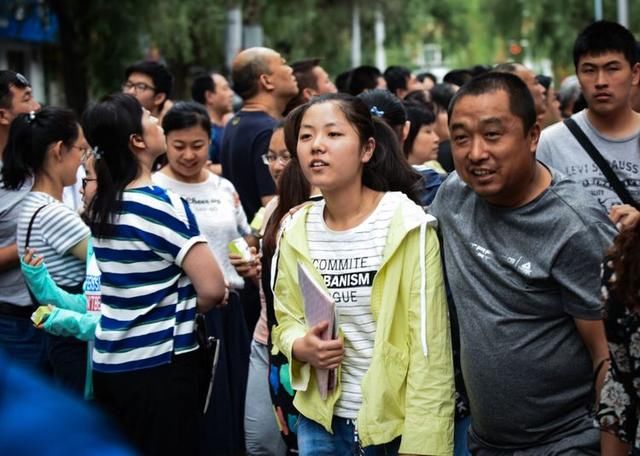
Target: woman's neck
45, 184
348, 209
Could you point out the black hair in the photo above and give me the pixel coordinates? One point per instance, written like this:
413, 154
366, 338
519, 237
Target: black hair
396, 77
441, 95
186, 114
426, 75
418, 115
200, 86
342, 81
10, 79
30, 136
303, 72
159, 74
521, 102
108, 126
605, 36
388, 170
246, 76
458, 77
422, 97
387, 106
363, 78
544, 80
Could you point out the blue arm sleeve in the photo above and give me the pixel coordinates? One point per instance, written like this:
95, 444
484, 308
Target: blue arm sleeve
63, 322
47, 292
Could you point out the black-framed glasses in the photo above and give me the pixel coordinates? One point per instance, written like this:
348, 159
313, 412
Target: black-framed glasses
137, 86
85, 180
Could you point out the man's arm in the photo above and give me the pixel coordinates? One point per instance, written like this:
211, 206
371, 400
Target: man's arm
594, 337
9, 257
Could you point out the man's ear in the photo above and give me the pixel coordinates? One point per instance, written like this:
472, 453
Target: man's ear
5, 117
635, 72
159, 98
534, 136
265, 81
308, 93
208, 96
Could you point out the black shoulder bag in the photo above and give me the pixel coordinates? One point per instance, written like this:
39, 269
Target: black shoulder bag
599, 160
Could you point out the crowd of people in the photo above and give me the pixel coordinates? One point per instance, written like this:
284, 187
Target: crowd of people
476, 241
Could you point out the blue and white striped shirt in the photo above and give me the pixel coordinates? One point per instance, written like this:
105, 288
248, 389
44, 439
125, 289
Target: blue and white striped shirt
148, 303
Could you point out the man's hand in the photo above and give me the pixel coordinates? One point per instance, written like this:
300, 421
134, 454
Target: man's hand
321, 354
624, 216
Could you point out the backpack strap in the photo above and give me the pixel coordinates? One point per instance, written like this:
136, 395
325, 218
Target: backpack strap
599, 160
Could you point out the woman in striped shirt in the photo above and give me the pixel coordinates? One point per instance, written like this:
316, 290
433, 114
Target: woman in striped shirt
49, 146
156, 271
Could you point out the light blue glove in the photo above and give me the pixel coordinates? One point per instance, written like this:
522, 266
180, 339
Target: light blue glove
46, 291
63, 322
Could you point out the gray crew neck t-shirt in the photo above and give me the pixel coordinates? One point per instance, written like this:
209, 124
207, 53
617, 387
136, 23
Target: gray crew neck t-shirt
559, 149
13, 289
518, 278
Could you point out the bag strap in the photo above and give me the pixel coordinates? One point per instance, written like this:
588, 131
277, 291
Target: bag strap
33, 217
599, 160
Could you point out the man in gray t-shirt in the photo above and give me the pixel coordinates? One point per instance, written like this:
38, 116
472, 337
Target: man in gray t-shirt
606, 61
18, 337
522, 247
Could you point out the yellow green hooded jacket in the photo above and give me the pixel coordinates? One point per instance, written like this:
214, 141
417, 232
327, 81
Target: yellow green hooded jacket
408, 389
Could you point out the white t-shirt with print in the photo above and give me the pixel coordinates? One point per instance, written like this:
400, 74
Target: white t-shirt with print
220, 217
348, 261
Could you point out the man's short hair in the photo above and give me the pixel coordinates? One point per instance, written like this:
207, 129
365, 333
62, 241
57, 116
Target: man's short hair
441, 95
200, 86
10, 79
521, 102
303, 71
364, 77
396, 77
426, 75
159, 74
458, 77
247, 75
605, 36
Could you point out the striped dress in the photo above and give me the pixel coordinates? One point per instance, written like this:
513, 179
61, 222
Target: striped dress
148, 302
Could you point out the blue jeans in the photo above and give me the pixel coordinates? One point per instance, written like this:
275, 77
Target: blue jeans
23, 342
314, 440
461, 429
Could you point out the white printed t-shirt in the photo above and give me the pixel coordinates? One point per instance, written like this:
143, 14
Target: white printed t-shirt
348, 261
219, 213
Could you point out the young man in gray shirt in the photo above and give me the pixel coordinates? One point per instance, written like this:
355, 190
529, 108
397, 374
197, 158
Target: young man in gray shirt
606, 61
522, 247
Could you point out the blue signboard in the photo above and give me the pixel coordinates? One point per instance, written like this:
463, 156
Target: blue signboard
28, 21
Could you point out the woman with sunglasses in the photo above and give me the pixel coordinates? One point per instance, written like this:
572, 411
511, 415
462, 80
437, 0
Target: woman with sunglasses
48, 146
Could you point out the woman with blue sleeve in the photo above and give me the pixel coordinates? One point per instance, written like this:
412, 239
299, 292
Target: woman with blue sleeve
49, 146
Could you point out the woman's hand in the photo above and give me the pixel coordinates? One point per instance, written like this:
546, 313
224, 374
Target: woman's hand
321, 354
247, 269
31, 258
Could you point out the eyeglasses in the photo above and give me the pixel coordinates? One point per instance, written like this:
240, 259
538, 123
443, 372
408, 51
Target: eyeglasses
270, 158
85, 180
137, 86
86, 152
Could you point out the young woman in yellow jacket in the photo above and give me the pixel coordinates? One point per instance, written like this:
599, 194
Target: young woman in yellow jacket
376, 253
